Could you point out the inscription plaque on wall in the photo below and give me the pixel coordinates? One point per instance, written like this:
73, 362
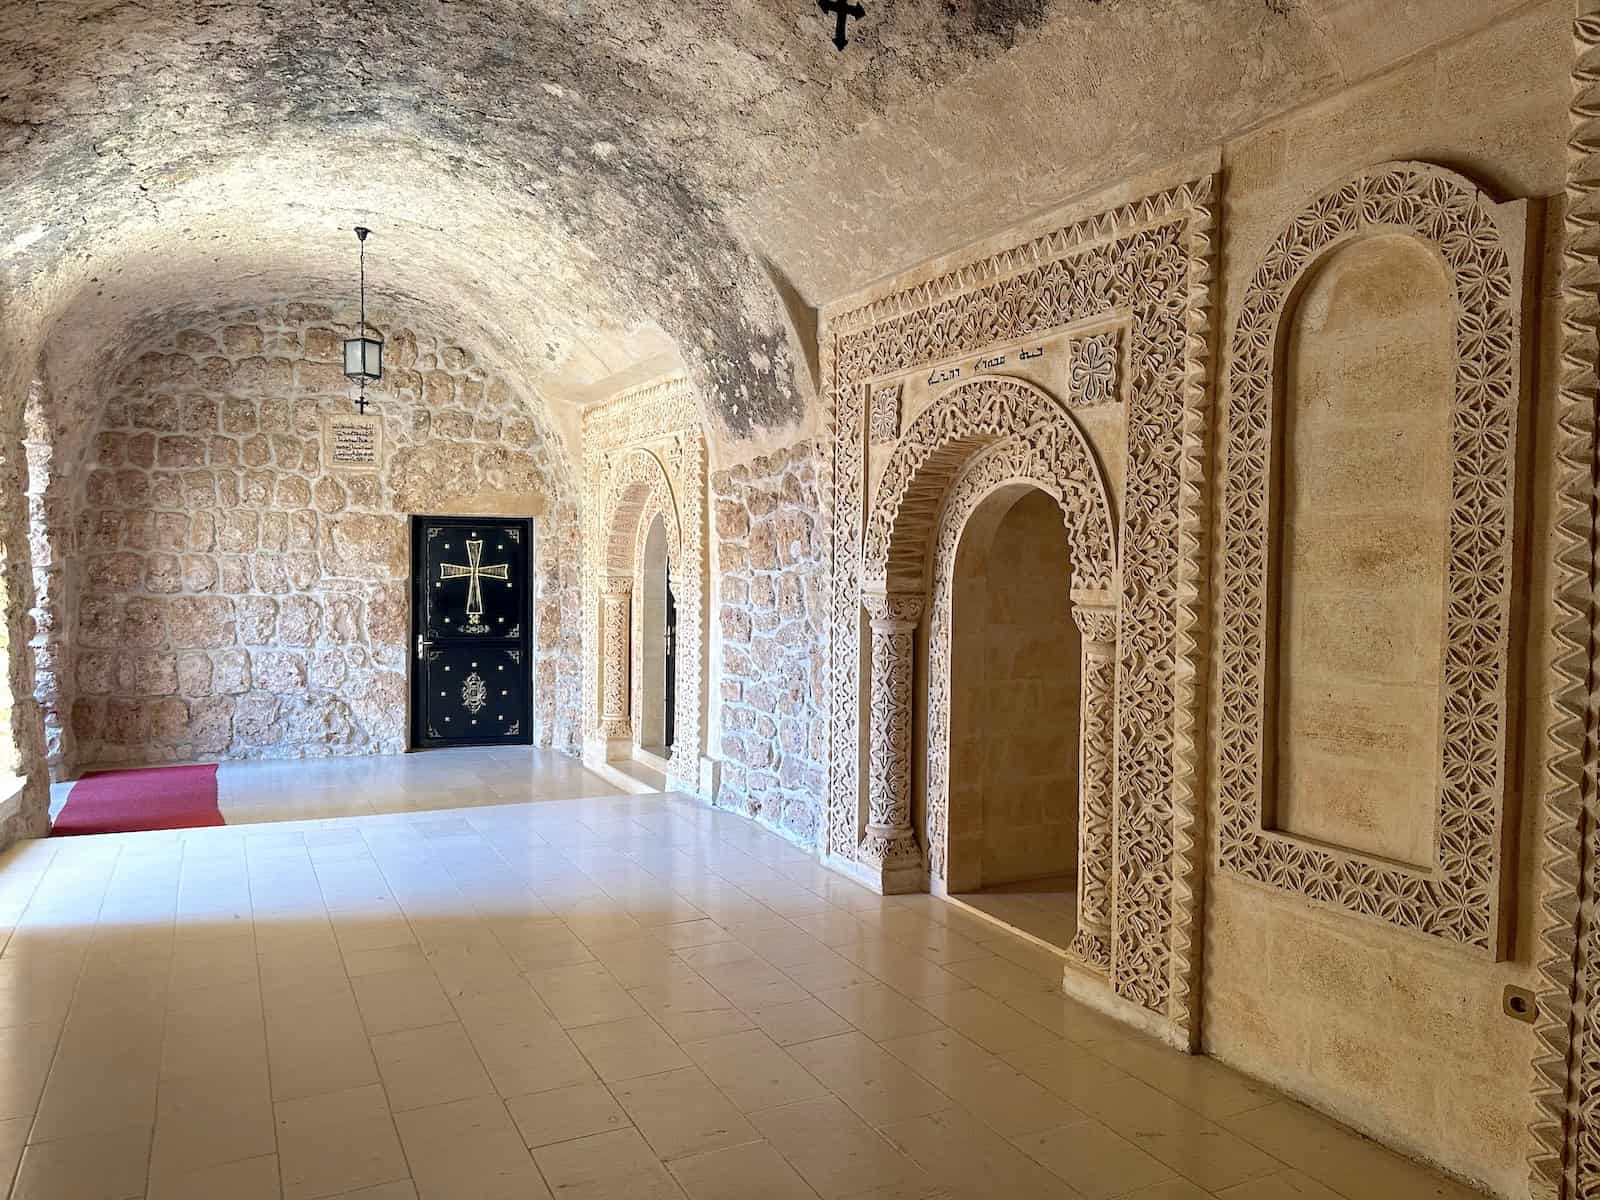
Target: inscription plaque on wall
352, 441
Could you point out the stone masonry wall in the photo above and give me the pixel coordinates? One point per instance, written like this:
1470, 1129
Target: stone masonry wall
772, 613
239, 599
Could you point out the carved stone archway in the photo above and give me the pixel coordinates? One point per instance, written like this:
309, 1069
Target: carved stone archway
1144, 266
973, 439
645, 460
640, 493
1076, 486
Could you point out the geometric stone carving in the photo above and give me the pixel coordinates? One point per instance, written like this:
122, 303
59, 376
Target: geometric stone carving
1457, 897
889, 843
614, 627
947, 436
1146, 264
1096, 776
1093, 377
884, 420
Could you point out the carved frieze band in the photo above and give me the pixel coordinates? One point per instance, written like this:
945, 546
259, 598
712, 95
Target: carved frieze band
615, 620
1146, 263
1458, 899
1096, 771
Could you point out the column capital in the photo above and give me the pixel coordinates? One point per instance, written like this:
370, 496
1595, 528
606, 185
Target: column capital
894, 611
1097, 623
616, 585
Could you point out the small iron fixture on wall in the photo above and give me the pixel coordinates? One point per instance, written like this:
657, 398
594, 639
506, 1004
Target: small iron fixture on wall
363, 355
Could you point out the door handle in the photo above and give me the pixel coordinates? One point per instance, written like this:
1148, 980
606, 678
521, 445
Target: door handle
422, 645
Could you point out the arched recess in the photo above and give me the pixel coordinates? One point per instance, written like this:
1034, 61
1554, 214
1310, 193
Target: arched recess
639, 494
1457, 896
990, 433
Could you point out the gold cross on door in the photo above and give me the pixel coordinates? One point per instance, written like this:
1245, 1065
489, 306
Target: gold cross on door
475, 573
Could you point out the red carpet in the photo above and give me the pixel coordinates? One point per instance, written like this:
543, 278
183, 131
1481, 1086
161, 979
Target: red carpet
129, 801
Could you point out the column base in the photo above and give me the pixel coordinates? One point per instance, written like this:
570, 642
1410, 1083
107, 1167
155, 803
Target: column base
892, 862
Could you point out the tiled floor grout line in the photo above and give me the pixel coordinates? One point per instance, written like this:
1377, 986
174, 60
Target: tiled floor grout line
410, 925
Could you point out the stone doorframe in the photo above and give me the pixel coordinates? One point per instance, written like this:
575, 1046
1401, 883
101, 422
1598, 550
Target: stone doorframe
641, 492
1074, 481
976, 438
645, 458
1147, 265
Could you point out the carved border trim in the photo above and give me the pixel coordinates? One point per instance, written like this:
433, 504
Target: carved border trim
1459, 899
1566, 1071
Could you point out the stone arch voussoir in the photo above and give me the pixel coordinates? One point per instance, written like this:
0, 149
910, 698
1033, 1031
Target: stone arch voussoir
1042, 443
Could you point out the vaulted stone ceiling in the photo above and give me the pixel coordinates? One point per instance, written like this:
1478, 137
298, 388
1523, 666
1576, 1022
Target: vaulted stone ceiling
574, 183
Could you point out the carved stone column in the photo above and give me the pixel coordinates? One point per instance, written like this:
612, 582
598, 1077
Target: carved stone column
1096, 778
616, 621
890, 849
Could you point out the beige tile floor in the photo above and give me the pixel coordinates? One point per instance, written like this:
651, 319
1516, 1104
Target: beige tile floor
1045, 908
612, 998
304, 789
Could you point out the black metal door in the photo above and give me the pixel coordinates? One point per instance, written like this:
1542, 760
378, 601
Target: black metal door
671, 665
470, 620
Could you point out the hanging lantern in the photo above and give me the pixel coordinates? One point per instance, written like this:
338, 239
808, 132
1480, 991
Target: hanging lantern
363, 355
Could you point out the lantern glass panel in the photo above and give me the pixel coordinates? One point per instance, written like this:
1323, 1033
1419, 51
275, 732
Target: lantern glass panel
363, 358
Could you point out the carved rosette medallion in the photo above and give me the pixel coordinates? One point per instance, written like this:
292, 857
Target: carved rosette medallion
883, 422
1093, 377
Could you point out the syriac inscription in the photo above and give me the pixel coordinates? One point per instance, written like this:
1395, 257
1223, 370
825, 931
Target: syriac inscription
352, 442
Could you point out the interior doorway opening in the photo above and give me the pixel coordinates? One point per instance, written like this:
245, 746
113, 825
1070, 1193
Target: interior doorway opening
655, 654
1015, 655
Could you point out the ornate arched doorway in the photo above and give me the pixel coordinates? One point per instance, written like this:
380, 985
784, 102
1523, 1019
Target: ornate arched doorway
646, 571
975, 441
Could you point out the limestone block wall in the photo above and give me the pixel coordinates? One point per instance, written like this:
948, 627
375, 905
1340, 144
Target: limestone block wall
771, 614
238, 597
1363, 1015
1013, 701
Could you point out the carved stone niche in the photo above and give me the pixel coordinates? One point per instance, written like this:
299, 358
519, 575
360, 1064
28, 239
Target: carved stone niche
1143, 269
1422, 687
